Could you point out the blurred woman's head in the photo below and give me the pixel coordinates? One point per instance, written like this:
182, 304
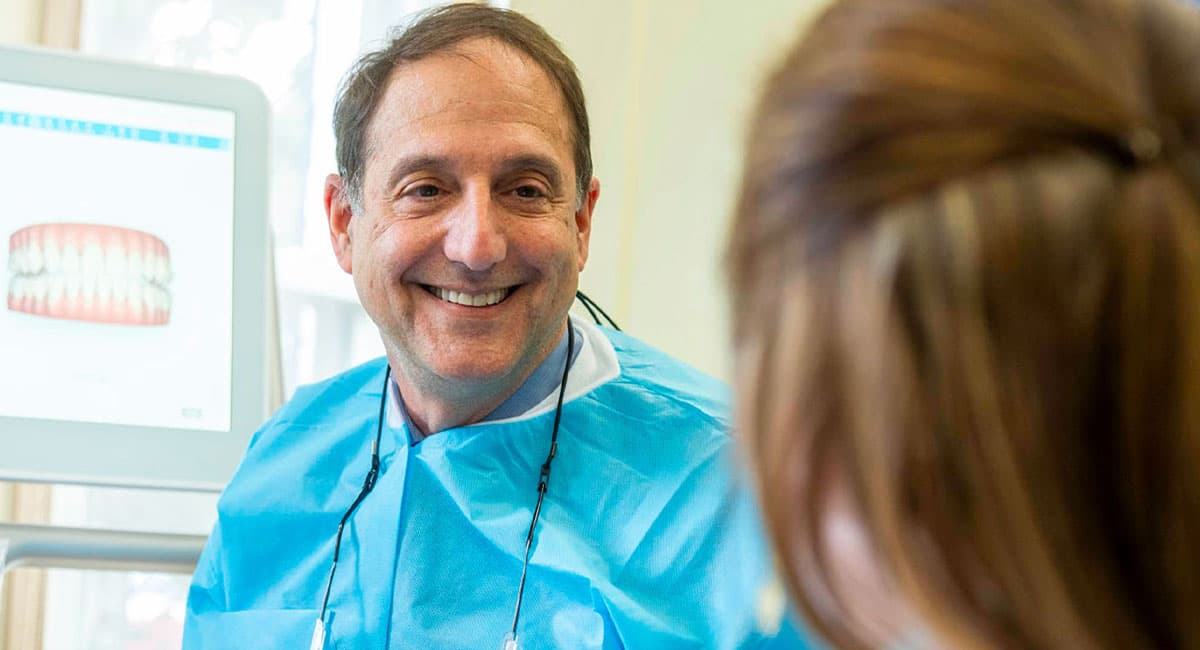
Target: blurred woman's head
965, 275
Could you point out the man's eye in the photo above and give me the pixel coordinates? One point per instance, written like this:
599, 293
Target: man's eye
528, 192
425, 191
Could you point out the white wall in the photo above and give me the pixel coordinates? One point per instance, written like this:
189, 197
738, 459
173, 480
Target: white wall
670, 84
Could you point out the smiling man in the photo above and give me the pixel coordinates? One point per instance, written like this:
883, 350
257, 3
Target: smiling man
505, 474
470, 230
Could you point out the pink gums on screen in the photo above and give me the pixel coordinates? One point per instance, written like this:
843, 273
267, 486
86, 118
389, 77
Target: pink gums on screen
90, 272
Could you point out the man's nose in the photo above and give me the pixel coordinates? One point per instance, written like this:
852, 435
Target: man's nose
475, 235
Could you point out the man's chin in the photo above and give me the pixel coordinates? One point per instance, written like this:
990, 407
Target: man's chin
475, 369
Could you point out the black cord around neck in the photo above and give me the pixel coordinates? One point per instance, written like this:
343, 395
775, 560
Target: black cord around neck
591, 307
368, 485
542, 485
544, 476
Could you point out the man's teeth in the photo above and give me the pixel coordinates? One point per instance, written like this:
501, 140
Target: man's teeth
470, 300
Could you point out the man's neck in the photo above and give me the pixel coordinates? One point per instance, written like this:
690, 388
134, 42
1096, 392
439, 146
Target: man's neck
434, 403
430, 410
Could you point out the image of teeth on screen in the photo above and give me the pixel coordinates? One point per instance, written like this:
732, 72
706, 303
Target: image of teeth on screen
118, 266
90, 272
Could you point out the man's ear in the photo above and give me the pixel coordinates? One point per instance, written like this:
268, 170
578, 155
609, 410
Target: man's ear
583, 219
339, 213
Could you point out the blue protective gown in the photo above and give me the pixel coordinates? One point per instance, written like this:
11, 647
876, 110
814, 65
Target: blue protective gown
647, 537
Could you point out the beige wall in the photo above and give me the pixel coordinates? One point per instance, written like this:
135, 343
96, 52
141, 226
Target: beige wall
45, 22
20, 21
670, 84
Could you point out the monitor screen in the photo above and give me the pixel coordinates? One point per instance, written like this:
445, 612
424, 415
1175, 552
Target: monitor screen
133, 265
119, 259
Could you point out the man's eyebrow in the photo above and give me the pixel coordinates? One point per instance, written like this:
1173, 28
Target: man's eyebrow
535, 163
410, 164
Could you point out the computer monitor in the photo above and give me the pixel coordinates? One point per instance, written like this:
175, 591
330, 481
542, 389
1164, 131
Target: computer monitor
133, 248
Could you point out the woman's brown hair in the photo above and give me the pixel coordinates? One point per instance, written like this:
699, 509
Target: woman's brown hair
965, 274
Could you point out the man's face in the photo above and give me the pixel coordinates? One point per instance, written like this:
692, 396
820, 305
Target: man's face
467, 248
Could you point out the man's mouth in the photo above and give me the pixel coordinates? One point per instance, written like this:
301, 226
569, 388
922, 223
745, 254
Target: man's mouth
485, 299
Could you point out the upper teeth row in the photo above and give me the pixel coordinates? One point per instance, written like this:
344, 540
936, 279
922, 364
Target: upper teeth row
476, 300
91, 260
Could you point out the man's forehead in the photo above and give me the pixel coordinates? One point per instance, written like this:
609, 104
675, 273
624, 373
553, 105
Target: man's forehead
479, 103
479, 78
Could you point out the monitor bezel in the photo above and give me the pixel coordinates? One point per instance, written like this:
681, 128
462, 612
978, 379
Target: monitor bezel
60, 451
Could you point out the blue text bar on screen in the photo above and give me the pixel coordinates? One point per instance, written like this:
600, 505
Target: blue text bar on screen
106, 130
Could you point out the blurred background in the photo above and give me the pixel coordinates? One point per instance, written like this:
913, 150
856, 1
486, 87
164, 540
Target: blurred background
669, 85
